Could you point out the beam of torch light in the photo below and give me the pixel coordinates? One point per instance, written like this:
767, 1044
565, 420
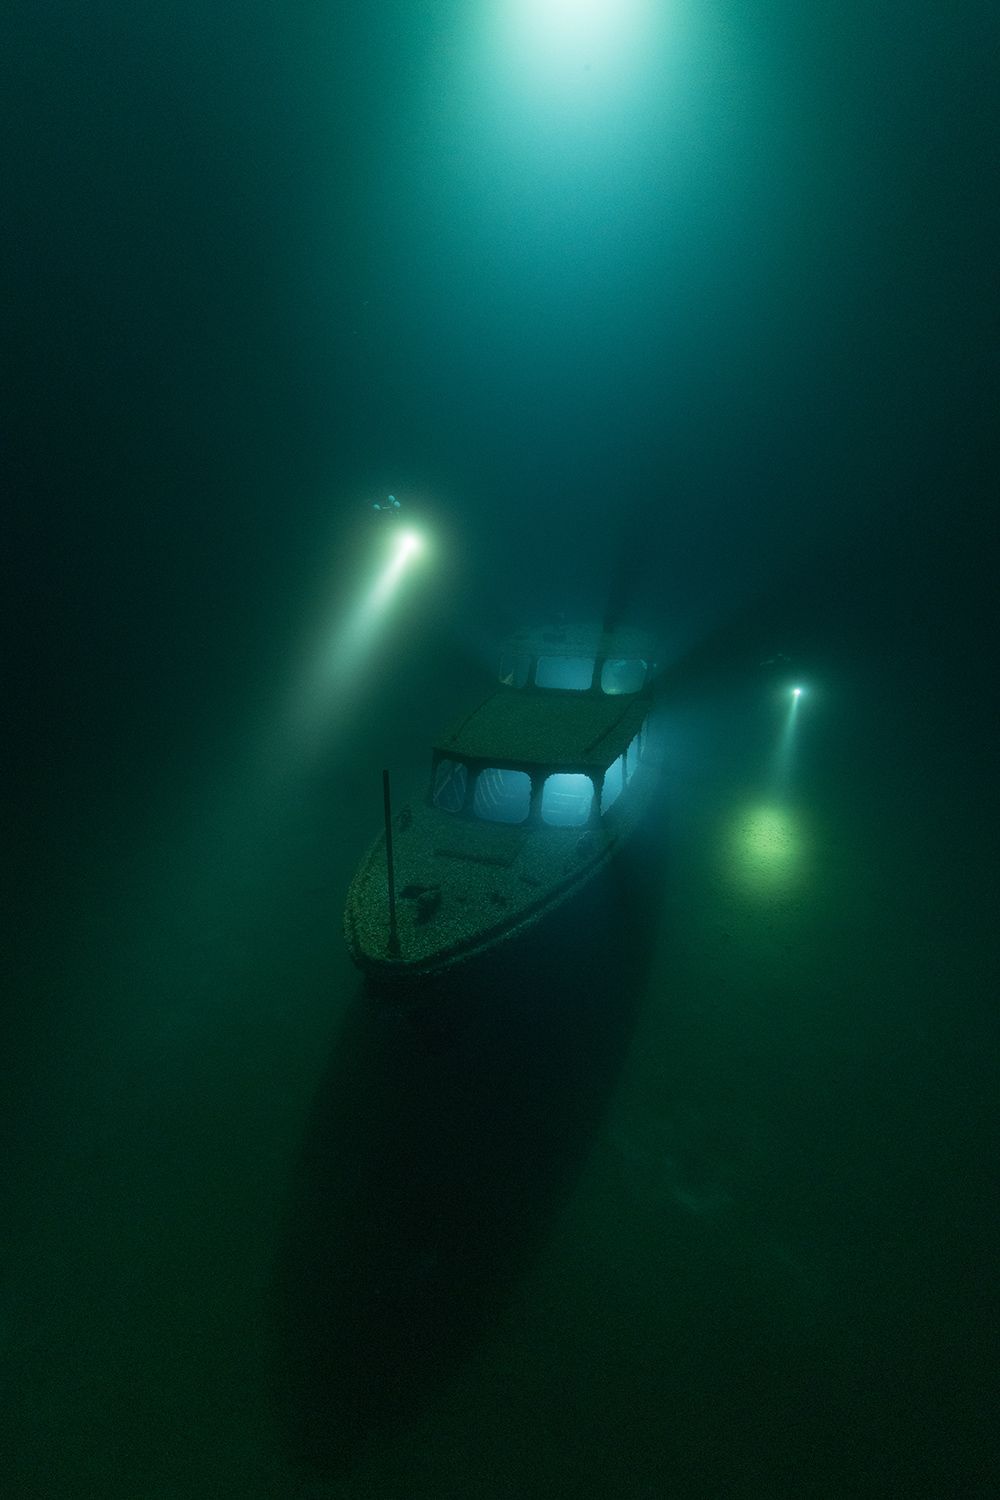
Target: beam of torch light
337, 659
786, 744
408, 544
218, 861
358, 631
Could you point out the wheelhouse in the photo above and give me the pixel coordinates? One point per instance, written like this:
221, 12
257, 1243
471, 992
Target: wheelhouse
578, 659
536, 796
559, 744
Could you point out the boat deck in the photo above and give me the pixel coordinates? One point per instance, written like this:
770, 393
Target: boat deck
463, 885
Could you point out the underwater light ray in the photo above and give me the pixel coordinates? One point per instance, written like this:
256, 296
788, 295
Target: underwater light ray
575, 50
784, 753
341, 646
560, 28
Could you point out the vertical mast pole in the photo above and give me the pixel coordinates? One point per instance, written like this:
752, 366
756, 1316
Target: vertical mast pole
393, 931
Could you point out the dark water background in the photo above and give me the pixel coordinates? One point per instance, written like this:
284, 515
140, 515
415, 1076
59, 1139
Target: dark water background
711, 1212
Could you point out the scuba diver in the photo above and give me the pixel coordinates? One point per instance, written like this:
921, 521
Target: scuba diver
389, 507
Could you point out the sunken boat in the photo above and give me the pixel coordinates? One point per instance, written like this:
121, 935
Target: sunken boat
531, 794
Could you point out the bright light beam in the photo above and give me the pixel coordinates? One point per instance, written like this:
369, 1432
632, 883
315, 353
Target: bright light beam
339, 655
359, 629
407, 545
565, 25
566, 42
782, 765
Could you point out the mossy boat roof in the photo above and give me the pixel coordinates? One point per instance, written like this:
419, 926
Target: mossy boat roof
541, 727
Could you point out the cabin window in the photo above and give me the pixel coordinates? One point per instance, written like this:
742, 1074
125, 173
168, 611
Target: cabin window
515, 668
502, 796
451, 779
573, 673
622, 676
567, 798
632, 757
614, 780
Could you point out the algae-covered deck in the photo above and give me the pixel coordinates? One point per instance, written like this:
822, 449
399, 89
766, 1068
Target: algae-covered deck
545, 729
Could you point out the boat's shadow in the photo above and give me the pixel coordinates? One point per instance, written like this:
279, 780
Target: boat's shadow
440, 1144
